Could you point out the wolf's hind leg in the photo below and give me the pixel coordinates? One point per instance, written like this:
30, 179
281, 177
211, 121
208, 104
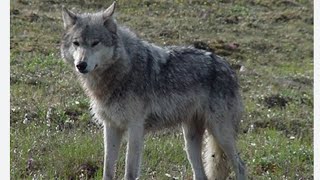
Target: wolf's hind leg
193, 134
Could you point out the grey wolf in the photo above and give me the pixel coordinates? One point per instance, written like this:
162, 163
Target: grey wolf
136, 87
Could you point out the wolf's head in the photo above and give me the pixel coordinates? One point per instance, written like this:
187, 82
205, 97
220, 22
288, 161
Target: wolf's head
89, 39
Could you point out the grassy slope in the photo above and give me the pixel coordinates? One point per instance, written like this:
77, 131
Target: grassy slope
275, 52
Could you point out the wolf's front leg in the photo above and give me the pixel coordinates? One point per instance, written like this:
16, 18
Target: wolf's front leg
112, 140
134, 151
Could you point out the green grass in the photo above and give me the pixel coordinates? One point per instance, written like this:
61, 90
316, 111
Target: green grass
270, 154
59, 140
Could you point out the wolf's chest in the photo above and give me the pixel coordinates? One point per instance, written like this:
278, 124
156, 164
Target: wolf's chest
120, 113
111, 114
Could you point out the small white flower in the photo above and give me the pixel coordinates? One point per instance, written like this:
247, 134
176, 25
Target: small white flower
292, 137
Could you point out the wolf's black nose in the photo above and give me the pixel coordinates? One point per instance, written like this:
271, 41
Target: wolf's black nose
82, 66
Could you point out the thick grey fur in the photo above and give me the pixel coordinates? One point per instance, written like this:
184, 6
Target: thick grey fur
136, 87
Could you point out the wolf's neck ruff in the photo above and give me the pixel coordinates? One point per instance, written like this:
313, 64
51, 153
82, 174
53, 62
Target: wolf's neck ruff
100, 83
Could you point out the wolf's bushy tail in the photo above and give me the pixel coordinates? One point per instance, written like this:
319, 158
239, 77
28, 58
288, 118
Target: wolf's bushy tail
216, 163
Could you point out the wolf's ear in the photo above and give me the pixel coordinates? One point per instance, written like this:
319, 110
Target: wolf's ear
69, 18
109, 23
109, 12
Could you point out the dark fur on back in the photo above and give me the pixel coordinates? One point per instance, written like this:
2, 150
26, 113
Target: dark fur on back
184, 68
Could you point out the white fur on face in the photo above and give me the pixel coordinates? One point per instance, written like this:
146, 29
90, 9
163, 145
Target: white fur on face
93, 56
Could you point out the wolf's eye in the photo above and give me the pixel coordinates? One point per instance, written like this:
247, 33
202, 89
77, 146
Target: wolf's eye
76, 43
95, 43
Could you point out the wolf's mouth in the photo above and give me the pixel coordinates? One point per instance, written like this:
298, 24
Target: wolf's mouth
83, 71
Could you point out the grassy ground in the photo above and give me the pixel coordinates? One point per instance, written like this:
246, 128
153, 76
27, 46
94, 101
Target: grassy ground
268, 42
